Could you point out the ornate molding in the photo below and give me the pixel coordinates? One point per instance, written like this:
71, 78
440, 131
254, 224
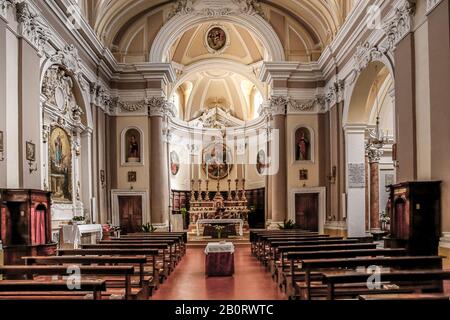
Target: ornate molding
400, 24
335, 93
4, 6
373, 154
100, 97
364, 55
277, 105
57, 88
217, 8
160, 107
71, 61
313, 105
431, 5
117, 104
31, 26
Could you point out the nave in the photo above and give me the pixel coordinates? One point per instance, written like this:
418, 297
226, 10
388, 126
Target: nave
250, 281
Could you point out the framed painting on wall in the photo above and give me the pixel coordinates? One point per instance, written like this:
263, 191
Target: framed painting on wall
132, 176
1, 142
30, 151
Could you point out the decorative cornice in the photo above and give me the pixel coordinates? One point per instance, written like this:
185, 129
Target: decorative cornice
431, 5
127, 106
400, 24
31, 26
100, 97
4, 6
217, 8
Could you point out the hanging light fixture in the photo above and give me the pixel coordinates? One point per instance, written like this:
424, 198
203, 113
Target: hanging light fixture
377, 139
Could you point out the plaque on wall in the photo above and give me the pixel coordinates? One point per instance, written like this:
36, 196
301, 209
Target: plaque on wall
356, 175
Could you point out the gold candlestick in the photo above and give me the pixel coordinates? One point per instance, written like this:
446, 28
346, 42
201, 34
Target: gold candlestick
192, 191
199, 196
236, 197
229, 190
207, 190
244, 198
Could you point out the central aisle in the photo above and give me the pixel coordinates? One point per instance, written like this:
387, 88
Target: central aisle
188, 282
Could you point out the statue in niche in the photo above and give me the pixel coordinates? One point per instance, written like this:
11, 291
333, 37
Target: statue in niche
133, 146
302, 145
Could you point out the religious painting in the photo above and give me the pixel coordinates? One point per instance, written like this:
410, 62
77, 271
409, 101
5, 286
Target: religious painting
302, 144
174, 163
303, 174
30, 151
217, 158
132, 176
261, 162
132, 146
216, 38
60, 157
1, 142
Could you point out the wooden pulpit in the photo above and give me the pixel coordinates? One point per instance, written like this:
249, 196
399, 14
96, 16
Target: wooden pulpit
415, 217
25, 224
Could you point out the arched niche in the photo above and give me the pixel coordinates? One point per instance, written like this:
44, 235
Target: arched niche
303, 144
132, 147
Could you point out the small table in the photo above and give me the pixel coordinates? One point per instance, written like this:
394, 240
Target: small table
221, 221
219, 259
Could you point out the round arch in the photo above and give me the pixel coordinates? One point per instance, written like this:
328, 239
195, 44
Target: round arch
180, 23
358, 92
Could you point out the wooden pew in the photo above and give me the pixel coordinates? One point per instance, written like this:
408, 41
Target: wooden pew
144, 282
124, 272
50, 290
180, 236
150, 255
333, 265
256, 236
175, 246
164, 247
297, 274
405, 296
408, 276
273, 245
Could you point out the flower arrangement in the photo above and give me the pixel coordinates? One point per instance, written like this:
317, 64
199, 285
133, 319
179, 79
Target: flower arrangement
219, 230
78, 220
384, 219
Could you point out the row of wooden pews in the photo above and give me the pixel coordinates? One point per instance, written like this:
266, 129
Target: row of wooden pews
307, 265
130, 267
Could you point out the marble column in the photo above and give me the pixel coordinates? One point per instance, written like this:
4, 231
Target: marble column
159, 180
367, 178
278, 159
374, 196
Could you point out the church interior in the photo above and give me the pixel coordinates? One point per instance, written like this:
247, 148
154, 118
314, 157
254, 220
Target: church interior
224, 149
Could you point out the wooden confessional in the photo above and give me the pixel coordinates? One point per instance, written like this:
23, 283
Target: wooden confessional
415, 217
25, 224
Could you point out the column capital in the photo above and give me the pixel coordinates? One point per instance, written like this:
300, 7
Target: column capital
4, 6
277, 105
31, 26
431, 5
160, 107
401, 24
374, 154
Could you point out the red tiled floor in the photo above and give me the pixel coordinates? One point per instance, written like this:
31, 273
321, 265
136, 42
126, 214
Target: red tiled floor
188, 282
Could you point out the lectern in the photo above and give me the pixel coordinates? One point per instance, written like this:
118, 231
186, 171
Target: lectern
25, 224
415, 212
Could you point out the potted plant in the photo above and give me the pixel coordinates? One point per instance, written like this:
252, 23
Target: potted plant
78, 220
287, 224
184, 214
148, 228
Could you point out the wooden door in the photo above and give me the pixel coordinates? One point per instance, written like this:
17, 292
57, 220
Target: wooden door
130, 213
307, 211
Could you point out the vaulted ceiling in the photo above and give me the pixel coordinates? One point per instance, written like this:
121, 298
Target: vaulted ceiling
128, 27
